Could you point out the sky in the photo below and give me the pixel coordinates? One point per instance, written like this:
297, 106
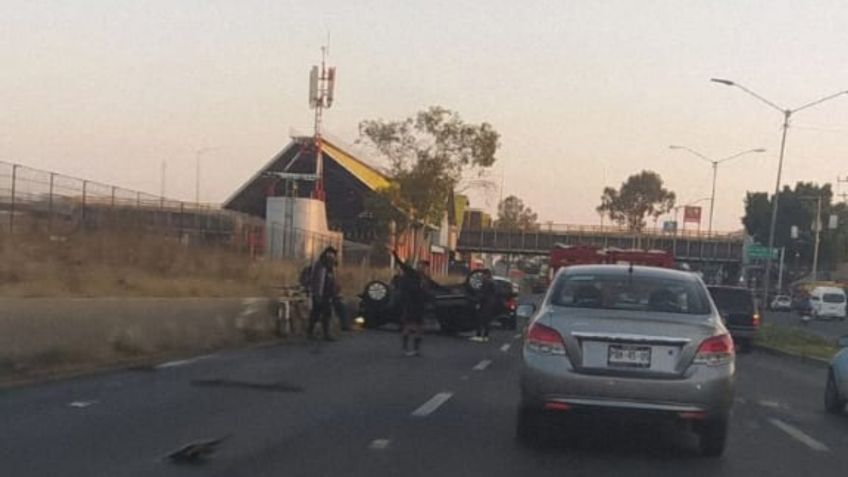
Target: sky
583, 93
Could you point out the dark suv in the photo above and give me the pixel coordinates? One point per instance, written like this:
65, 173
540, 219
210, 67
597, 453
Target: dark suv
740, 313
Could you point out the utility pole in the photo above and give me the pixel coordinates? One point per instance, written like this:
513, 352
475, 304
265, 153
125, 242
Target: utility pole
818, 226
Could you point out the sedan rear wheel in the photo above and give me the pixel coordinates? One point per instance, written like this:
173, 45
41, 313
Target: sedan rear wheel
713, 436
833, 402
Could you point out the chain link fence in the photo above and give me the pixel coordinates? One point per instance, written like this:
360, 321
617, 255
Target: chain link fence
35, 202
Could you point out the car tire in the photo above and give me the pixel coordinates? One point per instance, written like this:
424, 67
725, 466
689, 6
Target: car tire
528, 431
712, 435
833, 402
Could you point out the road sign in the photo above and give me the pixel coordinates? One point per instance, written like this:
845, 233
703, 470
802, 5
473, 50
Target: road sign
670, 226
692, 214
757, 251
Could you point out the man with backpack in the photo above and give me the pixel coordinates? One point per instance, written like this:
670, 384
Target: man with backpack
323, 288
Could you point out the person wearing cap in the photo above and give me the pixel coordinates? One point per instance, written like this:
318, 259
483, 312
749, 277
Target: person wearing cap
323, 288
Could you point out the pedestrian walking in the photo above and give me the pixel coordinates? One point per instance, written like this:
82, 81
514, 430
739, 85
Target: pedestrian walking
324, 290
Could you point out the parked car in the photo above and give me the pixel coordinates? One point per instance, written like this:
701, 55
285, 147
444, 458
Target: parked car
836, 387
781, 303
627, 339
828, 302
739, 312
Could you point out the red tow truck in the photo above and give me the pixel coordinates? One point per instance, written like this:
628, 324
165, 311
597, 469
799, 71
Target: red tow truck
566, 255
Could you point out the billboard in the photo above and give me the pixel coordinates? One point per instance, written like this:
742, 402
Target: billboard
692, 214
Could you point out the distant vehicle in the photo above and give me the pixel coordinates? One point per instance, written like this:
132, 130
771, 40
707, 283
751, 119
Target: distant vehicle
781, 303
836, 387
627, 340
828, 302
738, 309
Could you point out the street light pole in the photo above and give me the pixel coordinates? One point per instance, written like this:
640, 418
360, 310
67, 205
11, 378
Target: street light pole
715, 164
787, 113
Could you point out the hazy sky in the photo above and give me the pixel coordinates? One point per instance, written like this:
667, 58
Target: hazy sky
583, 93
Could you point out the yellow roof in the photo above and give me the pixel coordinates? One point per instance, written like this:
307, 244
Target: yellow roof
369, 176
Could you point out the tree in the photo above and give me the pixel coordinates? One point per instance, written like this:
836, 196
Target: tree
641, 195
797, 207
513, 214
428, 154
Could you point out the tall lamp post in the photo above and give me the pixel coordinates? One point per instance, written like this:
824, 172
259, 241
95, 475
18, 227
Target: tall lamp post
787, 113
715, 164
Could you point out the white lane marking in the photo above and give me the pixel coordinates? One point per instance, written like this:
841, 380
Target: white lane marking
799, 435
181, 362
505, 347
517, 336
379, 444
769, 404
482, 365
81, 404
428, 407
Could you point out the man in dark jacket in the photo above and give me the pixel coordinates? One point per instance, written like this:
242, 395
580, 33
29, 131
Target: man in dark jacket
487, 305
414, 285
323, 288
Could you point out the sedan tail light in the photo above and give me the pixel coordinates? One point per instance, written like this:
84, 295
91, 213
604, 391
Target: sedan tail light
755, 320
545, 340
715, 351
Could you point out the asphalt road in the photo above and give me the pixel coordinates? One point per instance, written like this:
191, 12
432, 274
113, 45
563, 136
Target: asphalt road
356, 407
826, 328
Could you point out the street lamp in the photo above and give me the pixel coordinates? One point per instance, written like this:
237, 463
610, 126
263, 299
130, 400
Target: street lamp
715, 164
787, 113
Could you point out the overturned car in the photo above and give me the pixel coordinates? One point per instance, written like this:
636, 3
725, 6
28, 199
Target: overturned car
452, 306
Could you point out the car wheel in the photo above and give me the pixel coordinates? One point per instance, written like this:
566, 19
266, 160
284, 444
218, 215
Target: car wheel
833, 402
528, 430
712, 435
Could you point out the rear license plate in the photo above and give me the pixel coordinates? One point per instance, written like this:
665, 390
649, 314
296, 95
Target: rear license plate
628, 356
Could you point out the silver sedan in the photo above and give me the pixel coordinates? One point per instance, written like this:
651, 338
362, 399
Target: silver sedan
627, 339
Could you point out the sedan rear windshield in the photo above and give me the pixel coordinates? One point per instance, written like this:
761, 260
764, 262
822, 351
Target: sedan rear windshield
730, 299
630, 292
833, 298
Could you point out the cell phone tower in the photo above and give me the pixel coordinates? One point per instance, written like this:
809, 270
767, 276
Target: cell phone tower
322, 85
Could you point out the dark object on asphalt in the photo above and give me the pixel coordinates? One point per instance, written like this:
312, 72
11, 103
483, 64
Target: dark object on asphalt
452, 305
740, 313
278, 386
198, 451
652, 346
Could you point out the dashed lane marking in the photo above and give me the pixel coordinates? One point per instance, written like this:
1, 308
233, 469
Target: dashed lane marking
379, 444
181, 362
482, 365
517, 336
505, 347
799, 435
432, 404
82, 404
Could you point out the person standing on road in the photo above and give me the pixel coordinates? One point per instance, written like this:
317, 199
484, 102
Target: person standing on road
487, 302
324, 290
414, 294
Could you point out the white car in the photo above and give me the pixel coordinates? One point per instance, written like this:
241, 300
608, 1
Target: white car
781, 303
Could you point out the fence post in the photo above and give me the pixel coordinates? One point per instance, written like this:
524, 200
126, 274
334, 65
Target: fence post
50, 205
84, 187
12, 203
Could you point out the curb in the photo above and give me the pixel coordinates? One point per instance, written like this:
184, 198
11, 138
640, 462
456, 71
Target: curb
819, 362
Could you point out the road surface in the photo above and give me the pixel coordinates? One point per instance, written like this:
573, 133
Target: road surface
356, 407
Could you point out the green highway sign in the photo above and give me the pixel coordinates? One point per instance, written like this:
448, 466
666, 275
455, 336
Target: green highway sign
757, 251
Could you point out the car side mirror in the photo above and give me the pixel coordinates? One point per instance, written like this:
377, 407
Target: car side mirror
525, 311
842, 341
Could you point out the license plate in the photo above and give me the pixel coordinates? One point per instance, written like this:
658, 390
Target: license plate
628, 356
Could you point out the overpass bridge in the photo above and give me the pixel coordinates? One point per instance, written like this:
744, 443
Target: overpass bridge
686, 246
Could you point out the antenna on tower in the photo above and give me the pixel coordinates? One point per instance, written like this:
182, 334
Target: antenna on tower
322, 85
